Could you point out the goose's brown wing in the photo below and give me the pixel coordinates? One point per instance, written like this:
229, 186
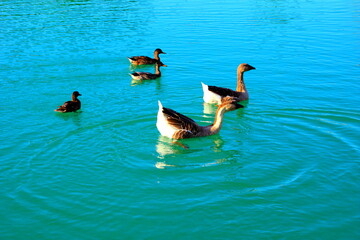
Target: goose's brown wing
181, 134
223, 91
180, 121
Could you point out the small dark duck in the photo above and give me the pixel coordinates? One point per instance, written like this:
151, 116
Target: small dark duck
144, 60
71, 106
147, 75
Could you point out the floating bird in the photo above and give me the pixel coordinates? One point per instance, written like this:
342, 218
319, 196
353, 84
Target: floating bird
71, 106
144, 60
147, 75
177, 126
213, 94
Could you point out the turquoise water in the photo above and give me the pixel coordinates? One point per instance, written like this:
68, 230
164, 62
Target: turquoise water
284, 167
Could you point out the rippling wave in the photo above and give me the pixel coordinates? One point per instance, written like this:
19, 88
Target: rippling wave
285, 166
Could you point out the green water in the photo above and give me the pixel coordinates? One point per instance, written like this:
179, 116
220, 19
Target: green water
284, 167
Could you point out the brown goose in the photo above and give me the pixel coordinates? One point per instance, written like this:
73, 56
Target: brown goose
177, 126
71, 106
213, 94
147, 75
144, 60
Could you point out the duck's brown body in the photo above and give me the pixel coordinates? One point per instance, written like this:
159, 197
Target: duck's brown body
144, 60
71, 106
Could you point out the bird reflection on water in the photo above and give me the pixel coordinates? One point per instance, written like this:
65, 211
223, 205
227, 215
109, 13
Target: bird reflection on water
167, 149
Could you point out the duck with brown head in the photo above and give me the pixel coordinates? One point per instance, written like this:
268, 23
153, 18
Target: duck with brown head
144, 60
213, 94
177, 126
71, 106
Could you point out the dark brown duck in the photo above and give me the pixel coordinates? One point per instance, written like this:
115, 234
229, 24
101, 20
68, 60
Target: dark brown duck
71, 106
144, 60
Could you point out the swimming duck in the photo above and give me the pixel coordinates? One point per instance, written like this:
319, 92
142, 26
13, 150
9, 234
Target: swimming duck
147, 75
71, 106
213, 94
177, 126
144, 60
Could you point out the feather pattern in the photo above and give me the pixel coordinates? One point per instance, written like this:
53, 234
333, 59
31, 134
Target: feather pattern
142, 60
180, 121
145, 60
178, 126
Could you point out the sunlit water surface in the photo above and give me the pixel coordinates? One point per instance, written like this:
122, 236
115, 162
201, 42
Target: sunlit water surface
284, 167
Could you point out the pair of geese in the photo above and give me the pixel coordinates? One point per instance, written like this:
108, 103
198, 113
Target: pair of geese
176, 125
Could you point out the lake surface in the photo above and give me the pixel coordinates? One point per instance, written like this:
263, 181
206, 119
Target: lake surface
284, 167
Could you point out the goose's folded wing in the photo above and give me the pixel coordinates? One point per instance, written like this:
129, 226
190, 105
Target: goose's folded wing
181, 134
222, 91
180, 121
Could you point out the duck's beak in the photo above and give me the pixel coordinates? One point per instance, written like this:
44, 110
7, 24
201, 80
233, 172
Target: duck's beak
251, 67
164, 52
164, 65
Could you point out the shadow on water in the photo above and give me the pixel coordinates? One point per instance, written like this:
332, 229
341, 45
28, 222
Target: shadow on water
166, 146
133, 68
169, 150
211, 108
145, 82
241, 112
75, 117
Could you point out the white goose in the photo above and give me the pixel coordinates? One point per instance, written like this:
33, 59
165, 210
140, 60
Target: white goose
213, 94
177, 126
